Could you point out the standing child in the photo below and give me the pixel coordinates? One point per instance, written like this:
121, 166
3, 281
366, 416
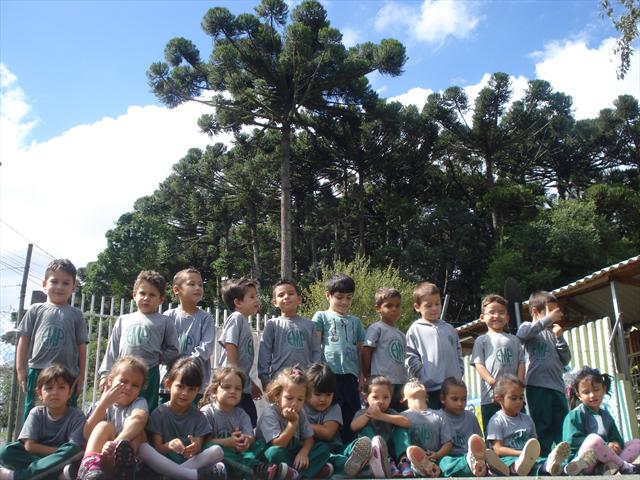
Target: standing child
51, 437
547, 355
146, 334
495, 353
433, 346
115, 427
287, 340
177, 428
284, 427
236, 339
52, 332
341, 336
592, 432
384, 346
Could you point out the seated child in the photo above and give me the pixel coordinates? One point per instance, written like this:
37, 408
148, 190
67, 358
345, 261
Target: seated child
591, 431
51, 437
115, 427
177, 429
284, 427
378, 422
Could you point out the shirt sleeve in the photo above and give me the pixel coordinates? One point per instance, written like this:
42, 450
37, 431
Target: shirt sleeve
231, 333
494, 429
372, 335
154, 425
113, 348
446, 434
31, 427
244, 422
76, 428
360, 331
305, 427
82, 335
204, 349
413, 359
265, 352
269, 425
478, 355
170, 349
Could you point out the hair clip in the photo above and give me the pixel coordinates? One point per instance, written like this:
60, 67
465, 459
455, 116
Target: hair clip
296, 371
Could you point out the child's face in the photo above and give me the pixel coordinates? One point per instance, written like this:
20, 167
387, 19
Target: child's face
415, 391
455, 401
339, 302
59, 287
429, 308
132, 381
229, 392
148, 298
250, 304
512, 401
591, 393
389, 311
320, 401
293, 396
181, 395
495, 316
55, 394
286, 299
380, 394
190, 290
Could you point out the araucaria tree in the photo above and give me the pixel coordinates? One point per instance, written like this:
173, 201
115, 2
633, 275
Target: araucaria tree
272, 74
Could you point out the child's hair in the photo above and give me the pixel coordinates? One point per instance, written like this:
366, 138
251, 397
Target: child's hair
236, 289
539, 300
61, 265
289, 376
503, 382
423, 290
188, 370
53, 373
593, 375
448, 384
129, 362
385, 293
340, 283
154, 278
284, 281
492, 298
217, 376
321, 379
375, 381
180, 277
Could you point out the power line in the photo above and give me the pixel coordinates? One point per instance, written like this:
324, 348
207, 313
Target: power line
28, 240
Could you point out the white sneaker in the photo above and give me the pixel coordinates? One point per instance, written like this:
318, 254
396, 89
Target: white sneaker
359, 457
556, 458
585, 461
380, 458
495, 464
527, 458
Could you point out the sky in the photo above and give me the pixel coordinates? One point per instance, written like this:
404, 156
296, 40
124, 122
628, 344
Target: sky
82, 137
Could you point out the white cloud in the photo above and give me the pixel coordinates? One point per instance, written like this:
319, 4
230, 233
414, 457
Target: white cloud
350, 37
15, 114
415, 96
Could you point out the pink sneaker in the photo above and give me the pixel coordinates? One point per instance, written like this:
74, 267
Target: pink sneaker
380, 458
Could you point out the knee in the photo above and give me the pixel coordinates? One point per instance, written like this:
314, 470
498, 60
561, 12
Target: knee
593, 439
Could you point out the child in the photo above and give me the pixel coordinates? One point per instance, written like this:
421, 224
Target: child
495, 353
231, 426
385, 345
378, 422
115, 427
433, 346
52, 332
284, 428
467, 456
512, 434
195, 327
236, 339
287, 340
51, 437
592, 432
176, 430
547, 354
341, 336
146, 334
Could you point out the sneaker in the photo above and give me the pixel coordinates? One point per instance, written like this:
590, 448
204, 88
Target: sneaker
91, 468
527, 458
494, 463
326, 471
214, 472
475, 456
70, 472
395, 471
359, 457
405, 468
288, 473
124, 460
585, 461
380, 458
420, 464
5, 474
556, 458
264, 471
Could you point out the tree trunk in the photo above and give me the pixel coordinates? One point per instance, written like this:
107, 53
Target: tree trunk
255, 247
361, 213
285, 203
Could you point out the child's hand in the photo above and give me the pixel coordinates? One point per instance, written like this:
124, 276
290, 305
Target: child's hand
109, 448
431, 455
256, 393
290, 414
556, 314
191, 449
240, 443
374, 411
615, 446
244, 444
103, 384
557, 330
301, 461
176, 446
111, 395
22, 379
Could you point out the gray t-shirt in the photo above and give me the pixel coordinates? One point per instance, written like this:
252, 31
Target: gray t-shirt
428, 429
433, 352
384, 429
271, 424
117, 414
223, 424
169, 425
462, 427
513, 432
500, 353
54, 332
39, 426
546, 354
331, 414
285, 342
389, 346
237, 331
152, 337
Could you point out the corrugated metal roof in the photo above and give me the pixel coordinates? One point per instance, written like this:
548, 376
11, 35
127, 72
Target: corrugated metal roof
562, 291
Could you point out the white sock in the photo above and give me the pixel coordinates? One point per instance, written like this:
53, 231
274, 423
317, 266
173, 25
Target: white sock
6, 474
160, 463
206, 458
626, 468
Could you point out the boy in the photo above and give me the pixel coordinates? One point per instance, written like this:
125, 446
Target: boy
433, 346
385, 345
495, 353
52, 434
236, 339
52, 332
146, 334
547, 355
288, 339
341, 336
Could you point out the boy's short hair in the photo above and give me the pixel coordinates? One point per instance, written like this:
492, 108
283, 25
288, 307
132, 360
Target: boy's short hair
284, 281
492, 298
423, 290
152, 277
340, 283
61, 265
539, 300
53, 373
181, 276
236, 289
385, 293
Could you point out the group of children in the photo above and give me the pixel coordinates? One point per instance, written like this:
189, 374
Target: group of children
342, 400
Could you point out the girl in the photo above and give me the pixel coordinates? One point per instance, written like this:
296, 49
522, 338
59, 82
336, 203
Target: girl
177, 428
513, 434
378, 422
115, 427
592, 432
231, 426
284, 428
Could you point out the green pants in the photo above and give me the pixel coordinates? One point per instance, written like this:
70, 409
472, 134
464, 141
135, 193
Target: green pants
487, 411
318, 456
535, 471
400, 441
547, 408
240, 464
31, 467
454, 466
30, 397
151, 387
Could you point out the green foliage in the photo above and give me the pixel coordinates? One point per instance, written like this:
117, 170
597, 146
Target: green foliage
626, 22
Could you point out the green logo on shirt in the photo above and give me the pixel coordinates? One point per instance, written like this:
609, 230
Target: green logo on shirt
518, 439
250, 346
296, 338
186, 343
137, 335
423, 434
52, 337
504, 356
459, 440
395, 350
540, 350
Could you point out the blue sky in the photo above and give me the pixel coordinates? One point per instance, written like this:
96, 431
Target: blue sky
82, 136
